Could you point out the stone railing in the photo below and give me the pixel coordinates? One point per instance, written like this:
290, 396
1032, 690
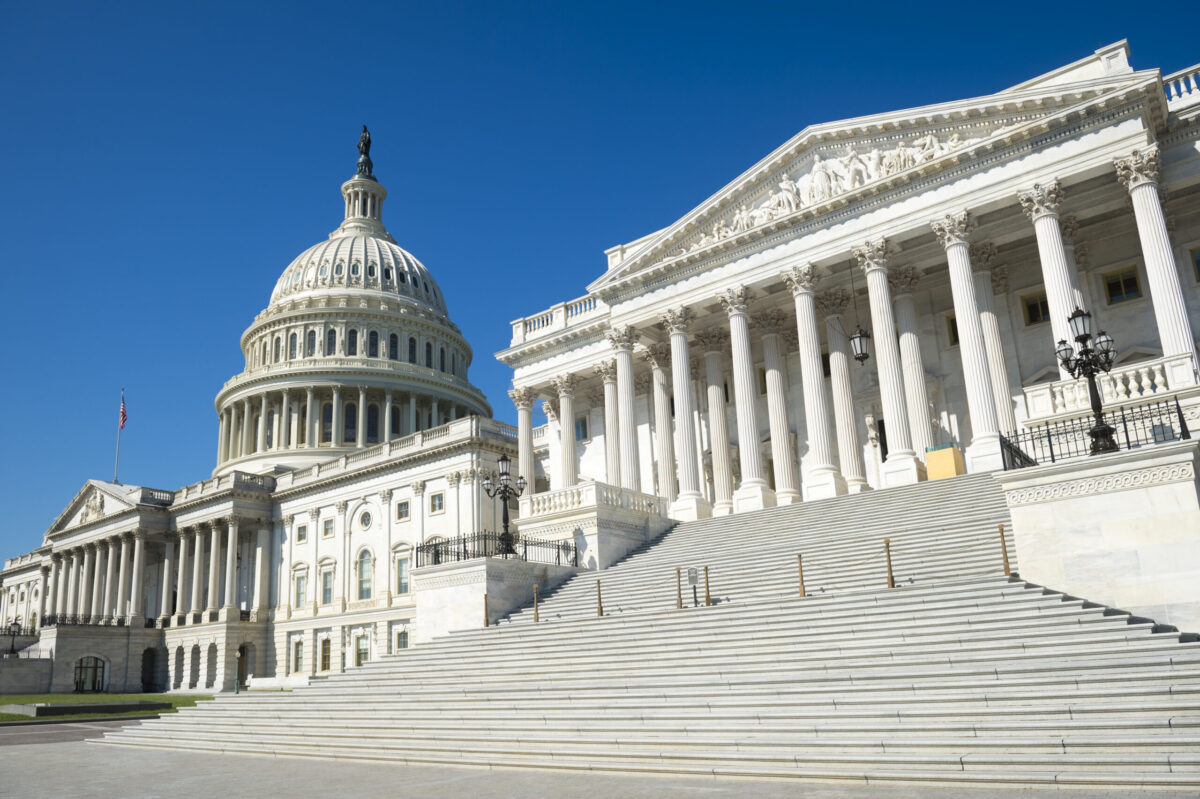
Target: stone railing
558, 317
1182, 88
1131, 382
359, 362
589, 495
539, 434
21, 560
156, 496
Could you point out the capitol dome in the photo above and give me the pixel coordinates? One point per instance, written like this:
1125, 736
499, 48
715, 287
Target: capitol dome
356, 347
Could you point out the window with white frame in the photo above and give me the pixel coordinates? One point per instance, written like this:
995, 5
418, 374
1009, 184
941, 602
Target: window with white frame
327, 586
301, 588
437, 502
401, 639
402, 513
302, 534
327, 529
298, 655
366, 572
581, 428
402, 568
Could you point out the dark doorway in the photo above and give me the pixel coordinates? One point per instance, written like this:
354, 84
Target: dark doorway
89, 675
149, 666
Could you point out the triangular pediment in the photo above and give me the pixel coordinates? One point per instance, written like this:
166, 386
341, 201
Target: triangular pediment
96, 500
831, 165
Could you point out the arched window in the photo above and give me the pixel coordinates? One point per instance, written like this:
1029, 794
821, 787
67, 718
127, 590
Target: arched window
372, 424
352, 342
371, 271
330, 341
442, 360
327, 423
394, 347
373, 344
412, 350
311, 349
293, 343
454, 363
278, 348
270, 428
366, 570
264, 354
387, 274
395, 419
428, 355
350, 427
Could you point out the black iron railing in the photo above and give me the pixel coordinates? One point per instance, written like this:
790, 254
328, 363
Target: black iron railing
490, 545
1136, 426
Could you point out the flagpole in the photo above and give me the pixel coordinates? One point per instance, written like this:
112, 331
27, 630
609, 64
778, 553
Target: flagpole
120, 426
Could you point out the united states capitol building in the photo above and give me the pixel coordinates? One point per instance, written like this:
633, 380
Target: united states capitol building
875, 305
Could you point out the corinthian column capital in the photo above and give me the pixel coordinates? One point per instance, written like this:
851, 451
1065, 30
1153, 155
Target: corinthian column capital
833, 302
734, 300
770, 321
1043, 199
953, 229
904, 280
802, 279
565, 385
983, 255
622, 337
658, 356
606, 371
676, 320
1142, 166
522, 397
713, 339
873, 255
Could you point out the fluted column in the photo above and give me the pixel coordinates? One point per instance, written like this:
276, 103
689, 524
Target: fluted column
753, 493
72, 599
222, 435
312, 425
110, 582
96, 609
916, 396
232, 450
850, 456
43, 582
247, 429
1139, 174
821, 477
360, 434
197, 603
658, 356
1041, 204
691, 503
164, 605
902, 465
783, 458
123, 576
568, 465
983, 453
715, 341
231, 548
339, 421
181, 581
607, 371
621, 339
85, 582
412, 413
52, 590
283, 440
262, 554
982, 256
388, 432
137, 584
523, 398
214, 566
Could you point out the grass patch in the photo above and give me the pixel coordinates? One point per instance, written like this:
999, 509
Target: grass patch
177, 701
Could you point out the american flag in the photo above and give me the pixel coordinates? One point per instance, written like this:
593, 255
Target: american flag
123, 414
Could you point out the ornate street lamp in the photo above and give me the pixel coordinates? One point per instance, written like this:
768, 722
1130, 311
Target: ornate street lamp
858, 342
1087, 358
14, 630
505, 490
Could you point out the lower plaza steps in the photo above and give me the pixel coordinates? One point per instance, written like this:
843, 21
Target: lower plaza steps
961, 677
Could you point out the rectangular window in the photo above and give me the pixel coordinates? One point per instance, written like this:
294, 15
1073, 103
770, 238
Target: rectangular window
325, 650
402, 576
298, 655
362, 650
952, 330
1036, 307
302, 534
581, 428
402, 511
1122, 285
301, 590
327, 529
402, 640
327, 587
437, 502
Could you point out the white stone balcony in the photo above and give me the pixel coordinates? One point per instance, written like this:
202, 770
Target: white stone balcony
558, 318
1173, 376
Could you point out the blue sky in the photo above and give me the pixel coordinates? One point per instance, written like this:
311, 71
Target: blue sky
161, 163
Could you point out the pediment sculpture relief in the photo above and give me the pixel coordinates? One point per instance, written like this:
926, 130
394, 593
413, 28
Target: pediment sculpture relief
93, 508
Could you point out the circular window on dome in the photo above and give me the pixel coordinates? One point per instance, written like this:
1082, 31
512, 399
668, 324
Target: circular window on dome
337, 270
364, 521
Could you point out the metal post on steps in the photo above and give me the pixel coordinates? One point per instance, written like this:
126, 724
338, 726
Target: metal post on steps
800, 568
485, 613
535, 603
1004, 552
599, 601
678, 589
887, 551
707, 598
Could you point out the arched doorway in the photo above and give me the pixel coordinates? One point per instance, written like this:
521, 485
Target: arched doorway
210, 678
177, 677
89, 675
194, 668
149, 666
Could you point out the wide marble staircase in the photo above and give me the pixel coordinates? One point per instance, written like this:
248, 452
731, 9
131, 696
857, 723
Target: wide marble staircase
957, 676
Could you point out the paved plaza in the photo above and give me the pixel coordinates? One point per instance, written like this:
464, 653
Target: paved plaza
39, 752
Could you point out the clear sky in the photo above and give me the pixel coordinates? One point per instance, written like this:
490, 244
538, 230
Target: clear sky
161, 163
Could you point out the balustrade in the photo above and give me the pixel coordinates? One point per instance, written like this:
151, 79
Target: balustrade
1158, 378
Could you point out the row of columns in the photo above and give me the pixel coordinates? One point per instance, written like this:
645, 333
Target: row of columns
99, 582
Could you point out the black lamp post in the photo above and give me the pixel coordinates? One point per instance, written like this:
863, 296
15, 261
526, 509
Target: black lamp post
13, 629
1087, 358
505, 490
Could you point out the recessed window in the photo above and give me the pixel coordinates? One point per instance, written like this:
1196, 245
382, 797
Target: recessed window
581, 428
327, 529
301, 590
327, 587
437, 502
337, 270
387, 274
302, 534
1036, 307
354, 269
402, 511
324, 270
298, 655
952, 330
371, 270
412, 350
1122, 285
326, 649
366, 571
364, 521
330, 341
373, 344
394, 347
352, 342
428, 355
362, 649
402, 586
310, 348
402, 639
350, 423
293, 344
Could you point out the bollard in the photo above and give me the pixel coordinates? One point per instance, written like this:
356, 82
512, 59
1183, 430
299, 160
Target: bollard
678, 590
535, 608
887, 551
800, 568
485, 615
707, 600
1004, 552
599, 601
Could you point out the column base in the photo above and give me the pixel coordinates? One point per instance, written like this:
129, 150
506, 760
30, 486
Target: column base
902, 469
857, 486
722, 508
823, 483
690, 508
753, 496
983, 455
227, 613
788, 496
